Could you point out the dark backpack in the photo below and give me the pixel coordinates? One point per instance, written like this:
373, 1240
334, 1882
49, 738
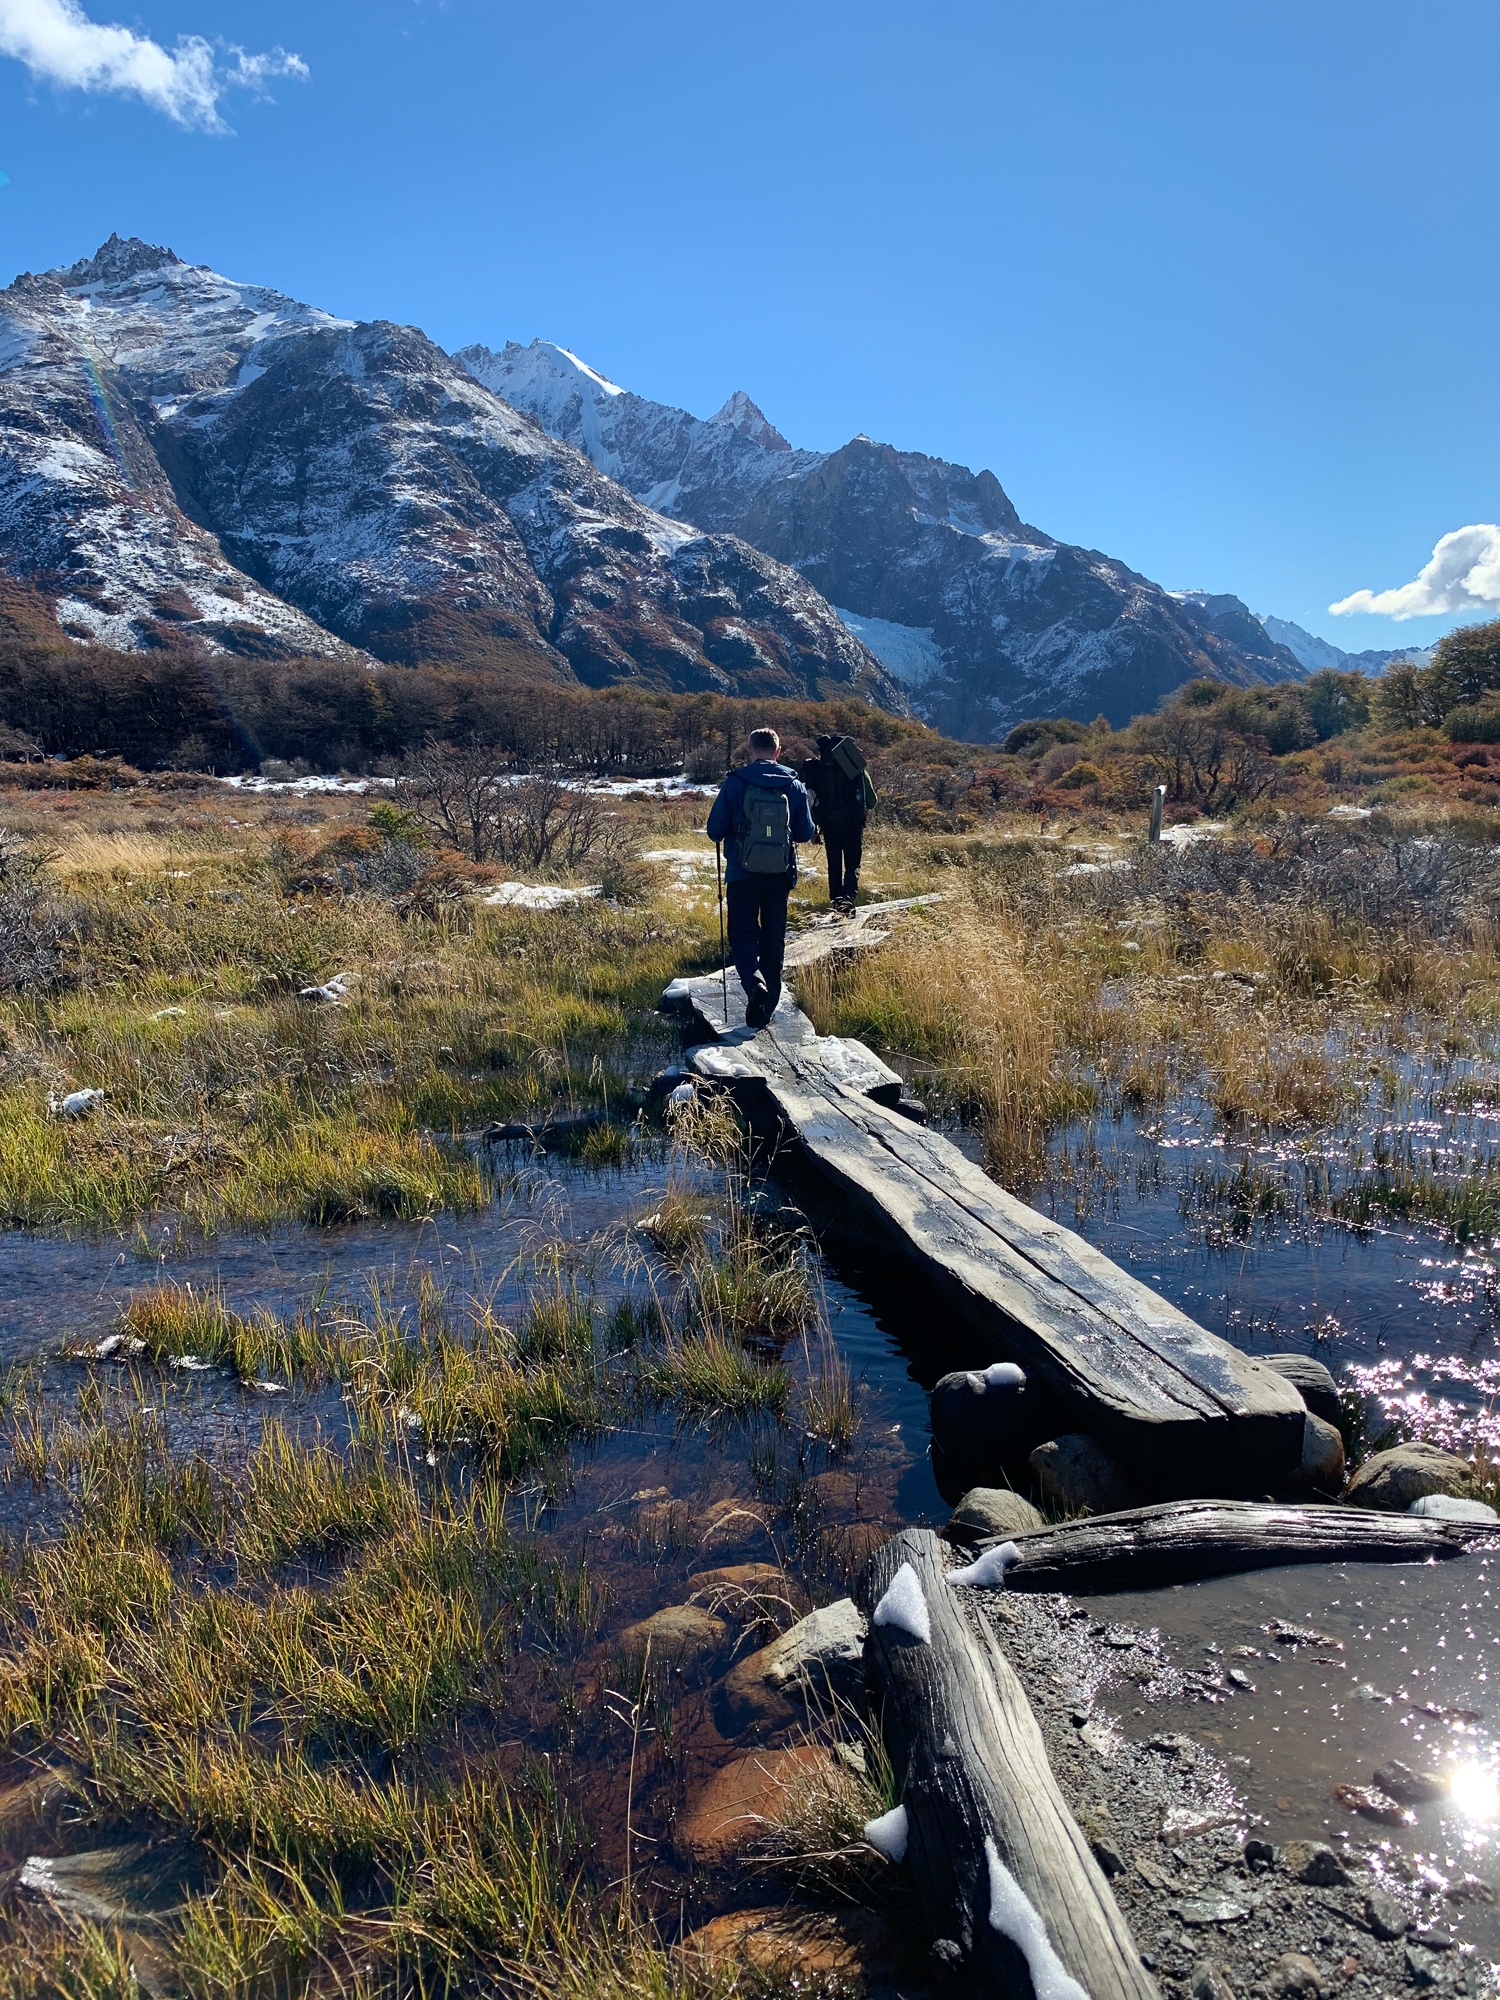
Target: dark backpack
765, 833
841, 783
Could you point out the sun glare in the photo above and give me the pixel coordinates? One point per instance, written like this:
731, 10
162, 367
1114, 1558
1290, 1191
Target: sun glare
1475, 1791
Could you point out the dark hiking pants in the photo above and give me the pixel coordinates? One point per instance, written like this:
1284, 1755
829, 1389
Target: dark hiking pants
844, 846
757, 929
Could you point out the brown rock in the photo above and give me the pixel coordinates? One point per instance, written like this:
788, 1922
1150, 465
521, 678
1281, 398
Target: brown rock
1313, 1862
743, 1800
753, 1594
1393, 1479
733, 1523
1295, 1975
811, 1944
684, 1636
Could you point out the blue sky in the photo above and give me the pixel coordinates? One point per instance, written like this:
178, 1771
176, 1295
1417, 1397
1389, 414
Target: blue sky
1209, 286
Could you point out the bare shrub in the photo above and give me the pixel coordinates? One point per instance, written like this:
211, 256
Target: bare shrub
464, 796
30, 930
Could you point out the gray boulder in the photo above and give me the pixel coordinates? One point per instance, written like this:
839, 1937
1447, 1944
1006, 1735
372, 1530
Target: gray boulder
1393, 1479
1310, 1379
819, 1659
1075, 1475
991, 1513
1450, 1507
1322, 1467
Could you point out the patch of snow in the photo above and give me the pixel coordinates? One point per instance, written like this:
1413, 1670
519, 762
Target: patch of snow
903, 1606
910, 652
78, 1103
304, 786
1184, 836
1015, 1916
999, 1375
537, 895
888, 1834
987, 1571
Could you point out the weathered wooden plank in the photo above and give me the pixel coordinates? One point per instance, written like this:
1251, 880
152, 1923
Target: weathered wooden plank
717, 1007
1186, 1411
1187, 1539
823, 937
980, 1797
845, 1061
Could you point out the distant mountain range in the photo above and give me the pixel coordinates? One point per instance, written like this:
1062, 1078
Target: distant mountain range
1314, 652
984, 619
186, 459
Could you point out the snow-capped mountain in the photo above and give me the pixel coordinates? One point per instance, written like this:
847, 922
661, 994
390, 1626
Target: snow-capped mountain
1314, 652
984, 619
182, 453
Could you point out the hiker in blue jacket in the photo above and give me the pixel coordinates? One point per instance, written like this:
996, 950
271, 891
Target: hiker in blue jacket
761, 812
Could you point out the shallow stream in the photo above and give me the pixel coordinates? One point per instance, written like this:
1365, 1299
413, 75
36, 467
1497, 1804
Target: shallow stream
653, 1503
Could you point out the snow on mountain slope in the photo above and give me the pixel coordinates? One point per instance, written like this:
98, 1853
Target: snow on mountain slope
85, 507
1000, 621
176, 446
1315, 653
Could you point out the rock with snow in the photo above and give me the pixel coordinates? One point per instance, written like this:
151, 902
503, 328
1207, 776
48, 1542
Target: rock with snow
983, 1420
78, 1103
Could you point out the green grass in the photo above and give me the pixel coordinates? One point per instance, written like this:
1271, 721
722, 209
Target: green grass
232, 1102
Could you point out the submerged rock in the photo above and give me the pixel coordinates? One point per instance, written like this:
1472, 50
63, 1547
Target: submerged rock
802, 1946
1312, 1381
991, 1513
1075, 1475
1393, 1479
820, 1658
684, 1636
746, 1800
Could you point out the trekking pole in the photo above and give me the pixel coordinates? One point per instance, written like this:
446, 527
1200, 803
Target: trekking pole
723, 959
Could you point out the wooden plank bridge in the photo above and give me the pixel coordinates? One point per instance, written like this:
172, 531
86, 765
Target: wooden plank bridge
1185, 1411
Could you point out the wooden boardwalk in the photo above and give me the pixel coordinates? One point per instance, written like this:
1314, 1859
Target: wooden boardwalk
1185, 1411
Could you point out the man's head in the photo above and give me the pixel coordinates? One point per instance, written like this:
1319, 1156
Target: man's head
765, 743
826, 743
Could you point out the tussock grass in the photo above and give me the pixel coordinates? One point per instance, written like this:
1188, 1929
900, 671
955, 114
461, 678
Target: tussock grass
1276, 974
231, 1101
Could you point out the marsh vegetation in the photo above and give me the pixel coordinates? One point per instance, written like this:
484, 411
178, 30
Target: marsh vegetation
365, 1669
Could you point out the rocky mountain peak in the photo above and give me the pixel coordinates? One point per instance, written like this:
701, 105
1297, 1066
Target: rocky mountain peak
120, 257
746, 417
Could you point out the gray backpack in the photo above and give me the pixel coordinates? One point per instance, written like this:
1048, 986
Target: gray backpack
765, 836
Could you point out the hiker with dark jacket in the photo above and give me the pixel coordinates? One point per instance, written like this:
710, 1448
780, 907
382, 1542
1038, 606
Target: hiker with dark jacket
761, 812
842, 796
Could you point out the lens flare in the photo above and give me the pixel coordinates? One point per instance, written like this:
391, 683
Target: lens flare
1475, 1791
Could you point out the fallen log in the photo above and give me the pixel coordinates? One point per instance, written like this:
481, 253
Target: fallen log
1014, 1901
1184, 1540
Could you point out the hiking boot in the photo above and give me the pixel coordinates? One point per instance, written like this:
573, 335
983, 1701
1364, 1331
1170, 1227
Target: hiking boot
757, 1002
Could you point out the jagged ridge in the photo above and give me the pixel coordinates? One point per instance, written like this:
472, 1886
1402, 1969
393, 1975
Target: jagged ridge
183, 455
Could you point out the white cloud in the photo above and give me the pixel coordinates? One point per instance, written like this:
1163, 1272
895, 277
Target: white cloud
59, 43
1464, 575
